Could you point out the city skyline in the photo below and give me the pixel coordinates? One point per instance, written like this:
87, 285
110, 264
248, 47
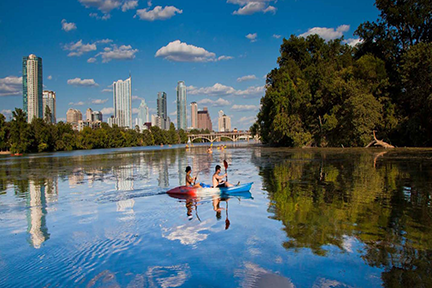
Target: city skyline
224, 68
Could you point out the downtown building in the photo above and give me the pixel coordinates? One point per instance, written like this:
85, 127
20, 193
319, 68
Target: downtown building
224, 122
194, 115
92, 120
49, 101
162, 120
204, 120
73, 116
143, 115
32, 87
181, 106
122, 99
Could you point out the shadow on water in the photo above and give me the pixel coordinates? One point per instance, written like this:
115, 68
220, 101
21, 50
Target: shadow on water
329, 198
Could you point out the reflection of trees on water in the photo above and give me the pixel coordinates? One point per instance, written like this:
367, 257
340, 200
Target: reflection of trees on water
324, 197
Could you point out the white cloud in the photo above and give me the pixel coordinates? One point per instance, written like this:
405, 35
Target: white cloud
107, 90
173, 113
49, 77
103, 17
241, 108
104, 41
158, 13
135, 98
277, 36
327, 33
103, 5
182, 52
223, 90
135, 110
82, 82
223, 57
247, 120
6, 112
10, 86
78, 48
246, 78
124, 52
353, 42
249, 7
215, 103
91, 60
107, 110
252, 37
68, 26
99, 101
80, 103
128, 5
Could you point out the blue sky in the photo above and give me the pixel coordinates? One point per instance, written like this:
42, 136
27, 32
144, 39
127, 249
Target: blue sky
221, 48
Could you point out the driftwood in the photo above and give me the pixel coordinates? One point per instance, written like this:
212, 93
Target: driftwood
377, 142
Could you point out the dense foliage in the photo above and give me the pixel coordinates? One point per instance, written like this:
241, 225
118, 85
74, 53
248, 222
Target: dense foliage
18, 136
331, 94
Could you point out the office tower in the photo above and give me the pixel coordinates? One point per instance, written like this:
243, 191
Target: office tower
143, 116
224, 122
97, 116
89, 114
204, 121
73, 116
49, 99
122, 99
32, 87
194, 115
162, 111
181, 106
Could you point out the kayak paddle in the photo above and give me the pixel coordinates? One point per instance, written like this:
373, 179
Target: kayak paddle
226, 169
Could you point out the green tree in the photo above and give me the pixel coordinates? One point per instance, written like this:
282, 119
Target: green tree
4, 133
21, 136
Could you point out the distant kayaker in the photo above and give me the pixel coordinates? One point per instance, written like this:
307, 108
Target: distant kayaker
217, 180
191, 182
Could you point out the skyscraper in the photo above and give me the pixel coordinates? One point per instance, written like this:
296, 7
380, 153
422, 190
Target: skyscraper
181, 106
97, 116
224, 122
89, 114
122, 99
143, 116
194, 115
32, 87
49, 99
73, 116
162, 111
204, 121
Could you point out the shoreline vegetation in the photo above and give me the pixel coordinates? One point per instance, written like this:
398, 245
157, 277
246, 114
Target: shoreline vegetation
329, 94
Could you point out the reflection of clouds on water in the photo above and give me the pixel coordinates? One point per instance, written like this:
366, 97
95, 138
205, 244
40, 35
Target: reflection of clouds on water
76, 178
347, 243
168, 276
327, 283
126, 206
124, 176
187, 234
255, 276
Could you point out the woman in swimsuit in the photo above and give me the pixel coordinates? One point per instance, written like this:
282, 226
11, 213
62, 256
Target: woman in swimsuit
191, 182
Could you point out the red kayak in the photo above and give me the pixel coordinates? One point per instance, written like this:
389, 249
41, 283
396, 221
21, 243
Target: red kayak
207, 191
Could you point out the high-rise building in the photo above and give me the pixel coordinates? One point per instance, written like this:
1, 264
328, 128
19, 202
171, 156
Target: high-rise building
89, 115
162, 111
122, 99
194, 115
97, 116
143, 115
73, 116
181, 106
224, 122
204, 121
49, 99
32, 87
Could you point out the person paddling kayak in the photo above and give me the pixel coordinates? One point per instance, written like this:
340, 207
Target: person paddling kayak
217, 180
191, 182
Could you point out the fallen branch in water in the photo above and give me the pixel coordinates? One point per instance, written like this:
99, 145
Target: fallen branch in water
381, 143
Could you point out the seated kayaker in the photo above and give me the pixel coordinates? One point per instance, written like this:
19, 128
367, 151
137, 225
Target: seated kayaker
217, 180
191, 182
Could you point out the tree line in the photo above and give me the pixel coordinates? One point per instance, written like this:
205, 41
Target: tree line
331, 94
18, 136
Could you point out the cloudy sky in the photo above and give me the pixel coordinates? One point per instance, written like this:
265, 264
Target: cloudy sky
222, 49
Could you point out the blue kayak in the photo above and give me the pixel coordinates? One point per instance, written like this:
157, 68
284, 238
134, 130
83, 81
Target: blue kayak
205, 190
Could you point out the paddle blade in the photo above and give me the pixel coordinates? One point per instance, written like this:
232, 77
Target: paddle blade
226, 164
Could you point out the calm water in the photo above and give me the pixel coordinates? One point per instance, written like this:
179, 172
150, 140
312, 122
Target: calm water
314, 218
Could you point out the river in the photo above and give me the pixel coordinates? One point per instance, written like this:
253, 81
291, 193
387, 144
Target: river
313, 218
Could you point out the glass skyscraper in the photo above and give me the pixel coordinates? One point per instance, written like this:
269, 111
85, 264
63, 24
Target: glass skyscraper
49, 99
122, 99
143, 116
162, 111
32, 87
181, 106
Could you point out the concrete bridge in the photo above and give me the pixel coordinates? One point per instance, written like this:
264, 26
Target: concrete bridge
217, 137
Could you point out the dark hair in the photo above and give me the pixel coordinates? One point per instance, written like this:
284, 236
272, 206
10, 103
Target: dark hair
217, 167
188, 168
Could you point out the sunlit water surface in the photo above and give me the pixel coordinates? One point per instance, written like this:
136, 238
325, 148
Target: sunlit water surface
314, 218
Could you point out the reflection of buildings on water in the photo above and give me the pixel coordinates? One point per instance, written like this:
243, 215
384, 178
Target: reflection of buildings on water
36, 214
182, 163
124, 178
163, 178
76, 178
51, 189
